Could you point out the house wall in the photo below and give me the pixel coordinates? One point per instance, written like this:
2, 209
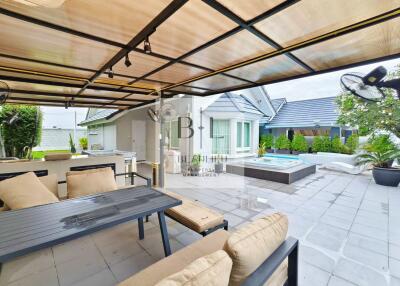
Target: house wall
58, 139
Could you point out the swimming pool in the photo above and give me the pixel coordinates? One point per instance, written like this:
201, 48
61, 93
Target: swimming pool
274, 162
282, 156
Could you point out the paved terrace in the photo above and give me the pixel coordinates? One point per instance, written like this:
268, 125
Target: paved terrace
348, 226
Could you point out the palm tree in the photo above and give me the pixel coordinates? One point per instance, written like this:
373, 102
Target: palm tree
378, 159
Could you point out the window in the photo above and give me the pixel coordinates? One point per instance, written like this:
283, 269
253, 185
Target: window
239, 134
171, 132
221, 137
243, 135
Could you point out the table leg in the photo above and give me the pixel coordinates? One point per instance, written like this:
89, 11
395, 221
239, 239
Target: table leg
141, 228
164, 233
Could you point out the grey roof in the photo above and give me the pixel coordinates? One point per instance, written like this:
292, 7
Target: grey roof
306, 113
229, 102
99, 115
277, 102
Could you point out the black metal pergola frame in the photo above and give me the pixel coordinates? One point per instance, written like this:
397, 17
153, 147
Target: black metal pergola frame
172, 89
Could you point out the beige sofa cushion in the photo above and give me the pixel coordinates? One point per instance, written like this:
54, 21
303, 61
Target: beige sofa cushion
178, 261
252, 244
51, 183
213, 270
88, 182
194, 215
25, 191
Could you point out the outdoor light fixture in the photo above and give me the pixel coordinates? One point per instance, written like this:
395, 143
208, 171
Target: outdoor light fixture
127, 61
147, 46
111, 73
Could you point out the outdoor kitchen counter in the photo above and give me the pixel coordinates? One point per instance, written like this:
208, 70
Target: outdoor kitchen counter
61, 167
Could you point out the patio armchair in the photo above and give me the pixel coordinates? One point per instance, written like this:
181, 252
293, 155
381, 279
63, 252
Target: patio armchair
256, 254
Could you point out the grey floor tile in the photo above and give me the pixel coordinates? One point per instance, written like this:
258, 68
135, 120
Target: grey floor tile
358, 274
369, 231
131, 265
103, 278
312, 276
46, 277
368, 243
361, 255
394, 266
394, 251
233, 220
317, 258
336, 281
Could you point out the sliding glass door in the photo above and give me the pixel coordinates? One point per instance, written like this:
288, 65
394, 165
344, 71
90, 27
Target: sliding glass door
221, 137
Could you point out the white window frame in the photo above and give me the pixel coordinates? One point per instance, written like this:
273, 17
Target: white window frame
243, 148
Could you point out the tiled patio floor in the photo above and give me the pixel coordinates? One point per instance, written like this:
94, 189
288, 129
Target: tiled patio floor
349, 229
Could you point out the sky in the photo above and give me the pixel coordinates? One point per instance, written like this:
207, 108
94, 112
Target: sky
324, 85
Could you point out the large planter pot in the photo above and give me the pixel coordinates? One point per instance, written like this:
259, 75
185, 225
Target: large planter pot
270, 151
283, 151
194, 170
386, 176
219, 168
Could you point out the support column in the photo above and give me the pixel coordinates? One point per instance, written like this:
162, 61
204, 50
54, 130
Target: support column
161, 167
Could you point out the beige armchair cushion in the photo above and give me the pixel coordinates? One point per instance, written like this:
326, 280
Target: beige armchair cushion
178, 260
25, 191
213, 270
194, 215
88, 182
252, 244
51, 183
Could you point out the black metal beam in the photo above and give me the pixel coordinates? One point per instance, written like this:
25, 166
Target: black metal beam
55, 94
136, 40
322, 38
62, 102
66, 84
242, 23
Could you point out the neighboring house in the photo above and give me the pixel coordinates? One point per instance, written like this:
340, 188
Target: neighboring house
225, 124
309, 117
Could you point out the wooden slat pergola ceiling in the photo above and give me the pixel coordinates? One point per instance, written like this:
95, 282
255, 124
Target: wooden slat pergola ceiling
62, 56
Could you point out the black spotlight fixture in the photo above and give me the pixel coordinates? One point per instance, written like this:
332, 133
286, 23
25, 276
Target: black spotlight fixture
110, 73
127, 61
147, 46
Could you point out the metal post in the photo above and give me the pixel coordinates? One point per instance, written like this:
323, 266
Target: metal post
161, 167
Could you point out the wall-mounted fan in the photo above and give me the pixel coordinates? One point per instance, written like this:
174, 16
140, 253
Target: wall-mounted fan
167, 112
369, 86
4, 92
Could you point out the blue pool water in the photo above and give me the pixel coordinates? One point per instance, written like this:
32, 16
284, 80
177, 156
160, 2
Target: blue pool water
282, 156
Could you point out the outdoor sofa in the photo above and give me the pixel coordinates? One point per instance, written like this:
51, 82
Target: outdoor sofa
256, 254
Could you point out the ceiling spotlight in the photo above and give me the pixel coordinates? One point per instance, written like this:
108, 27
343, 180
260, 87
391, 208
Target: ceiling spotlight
110, 73
127, 61
147, 46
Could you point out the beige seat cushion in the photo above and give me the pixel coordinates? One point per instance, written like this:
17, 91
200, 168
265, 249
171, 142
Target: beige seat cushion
252, 244
213, 270
51, 183
178, 260
25, 191
193, 215
88, 182
279, 277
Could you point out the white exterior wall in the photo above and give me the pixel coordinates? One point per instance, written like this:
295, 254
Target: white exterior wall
58, 139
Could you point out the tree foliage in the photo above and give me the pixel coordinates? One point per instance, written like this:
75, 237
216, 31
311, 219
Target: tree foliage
23, 133
368, 116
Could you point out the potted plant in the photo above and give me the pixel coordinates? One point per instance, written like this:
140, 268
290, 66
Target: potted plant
195, 165
321, 144
268, 141
83, 142
219, 165
282, 144
299, 144
382, 171
72, 144
261, 150
381, 143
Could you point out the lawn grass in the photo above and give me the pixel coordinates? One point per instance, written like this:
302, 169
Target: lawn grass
40, 154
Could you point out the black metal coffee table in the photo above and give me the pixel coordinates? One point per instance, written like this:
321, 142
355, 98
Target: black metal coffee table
27, 230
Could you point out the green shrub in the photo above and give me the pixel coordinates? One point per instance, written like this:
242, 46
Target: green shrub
352, 143
321, 144
24, 133
381, 144
282, 142
337, 145
267, 140
299, 143
83, 142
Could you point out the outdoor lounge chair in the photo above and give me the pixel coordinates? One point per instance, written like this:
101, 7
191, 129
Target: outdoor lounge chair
344, 167
256, 254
